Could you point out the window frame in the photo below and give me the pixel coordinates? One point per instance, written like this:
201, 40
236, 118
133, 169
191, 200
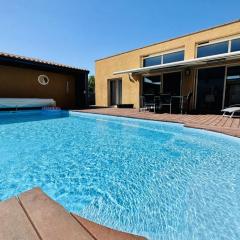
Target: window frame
161, 55
162, 79
225, 80
173, 53
226, 39
230, 44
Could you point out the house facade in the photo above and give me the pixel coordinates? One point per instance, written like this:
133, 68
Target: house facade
205, 63
21, 77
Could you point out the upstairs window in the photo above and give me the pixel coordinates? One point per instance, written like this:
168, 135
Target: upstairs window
173, 57
152, 61
235, 45
212, 49
163, 59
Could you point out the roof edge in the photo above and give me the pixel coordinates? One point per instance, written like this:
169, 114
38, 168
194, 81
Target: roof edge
170, 39
40, 61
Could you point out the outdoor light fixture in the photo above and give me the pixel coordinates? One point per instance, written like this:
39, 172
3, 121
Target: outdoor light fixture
187, 71
43, 80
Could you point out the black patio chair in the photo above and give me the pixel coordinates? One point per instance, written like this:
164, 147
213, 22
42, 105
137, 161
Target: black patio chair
163, 100
147, 102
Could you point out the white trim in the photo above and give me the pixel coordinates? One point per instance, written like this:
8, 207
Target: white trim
185, 63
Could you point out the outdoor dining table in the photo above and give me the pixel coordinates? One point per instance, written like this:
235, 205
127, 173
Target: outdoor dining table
181, 102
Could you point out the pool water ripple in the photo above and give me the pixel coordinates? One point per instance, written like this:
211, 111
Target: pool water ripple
160, 180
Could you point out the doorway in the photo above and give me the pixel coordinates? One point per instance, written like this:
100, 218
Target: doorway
210, 87
115, 90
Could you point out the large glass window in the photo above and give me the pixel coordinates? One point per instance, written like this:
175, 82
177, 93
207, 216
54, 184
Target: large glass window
212, 49
235, 45
210, 89
172, 83
173, 57
151, 85
232, 94
151, 61
162, 59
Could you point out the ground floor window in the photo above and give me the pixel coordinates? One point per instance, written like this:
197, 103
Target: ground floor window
167, 83
172, 83
152, 85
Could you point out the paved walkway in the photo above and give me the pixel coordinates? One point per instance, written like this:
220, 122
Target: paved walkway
35, 216
216, 123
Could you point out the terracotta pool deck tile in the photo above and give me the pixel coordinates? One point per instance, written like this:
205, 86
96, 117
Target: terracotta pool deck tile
104, 233
50, 219
35, 216
216, 123
14, 224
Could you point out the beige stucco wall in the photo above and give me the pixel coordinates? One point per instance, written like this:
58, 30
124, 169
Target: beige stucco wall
133, 59
18, 82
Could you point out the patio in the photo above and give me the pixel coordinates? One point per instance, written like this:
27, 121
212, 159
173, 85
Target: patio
215, 123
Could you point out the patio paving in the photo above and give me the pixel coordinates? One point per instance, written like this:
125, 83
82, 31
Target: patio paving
35, 216
216, 123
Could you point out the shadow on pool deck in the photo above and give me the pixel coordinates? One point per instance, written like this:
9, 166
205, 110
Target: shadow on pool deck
35, 216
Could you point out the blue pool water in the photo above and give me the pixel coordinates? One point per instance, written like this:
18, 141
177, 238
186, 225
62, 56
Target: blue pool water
155, 179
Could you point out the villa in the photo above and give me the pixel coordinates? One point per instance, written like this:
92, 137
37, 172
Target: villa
70, 171
203, 65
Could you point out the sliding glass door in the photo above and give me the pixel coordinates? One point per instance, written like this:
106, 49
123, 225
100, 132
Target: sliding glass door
172, 83
210, 87
151, 85
164, 83
232, 93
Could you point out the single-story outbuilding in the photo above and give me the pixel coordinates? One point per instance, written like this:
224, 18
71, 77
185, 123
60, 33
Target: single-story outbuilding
23, 77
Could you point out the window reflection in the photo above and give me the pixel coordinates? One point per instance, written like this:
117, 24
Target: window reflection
173, 57
212, 49
235, 45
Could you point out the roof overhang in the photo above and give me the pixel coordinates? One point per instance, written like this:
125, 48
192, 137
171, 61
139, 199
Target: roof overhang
184, 64
35, 63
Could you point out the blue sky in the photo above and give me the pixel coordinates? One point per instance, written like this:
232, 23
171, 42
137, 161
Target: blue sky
79, 32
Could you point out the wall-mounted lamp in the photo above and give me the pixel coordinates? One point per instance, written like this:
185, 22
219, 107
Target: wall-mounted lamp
187, 71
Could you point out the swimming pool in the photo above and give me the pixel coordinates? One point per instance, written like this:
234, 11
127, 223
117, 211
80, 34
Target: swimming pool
155, 179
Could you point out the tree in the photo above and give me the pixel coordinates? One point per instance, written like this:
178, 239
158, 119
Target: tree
91, 90
91, 84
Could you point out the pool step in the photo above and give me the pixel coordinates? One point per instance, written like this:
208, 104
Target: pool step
35, 216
